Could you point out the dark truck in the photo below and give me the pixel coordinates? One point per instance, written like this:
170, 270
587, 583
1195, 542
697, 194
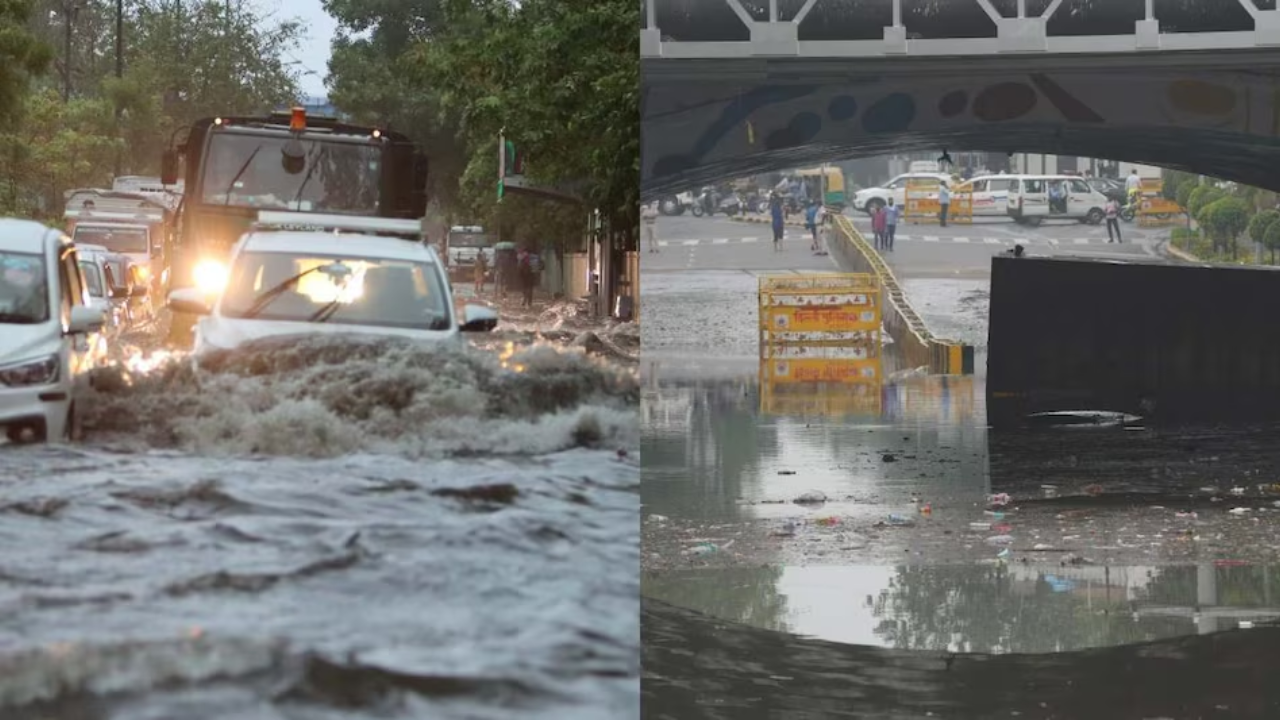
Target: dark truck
236, 167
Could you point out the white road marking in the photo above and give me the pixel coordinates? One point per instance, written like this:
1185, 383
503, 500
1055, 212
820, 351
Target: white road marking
720, 241
993, 241
961, 240
1081, 241
926, 238
691, 242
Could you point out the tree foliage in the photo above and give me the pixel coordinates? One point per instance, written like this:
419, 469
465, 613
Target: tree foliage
1183, 193
560, 77
22, 56
1175, 180
1258, 226
1226, 218
1200, 197
182, 61
1271, 239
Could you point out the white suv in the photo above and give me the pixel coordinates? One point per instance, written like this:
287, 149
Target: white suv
868, 199
298, 274
49, 335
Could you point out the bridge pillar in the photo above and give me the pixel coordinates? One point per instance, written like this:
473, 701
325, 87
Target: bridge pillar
1022, 34
775, 38
1266, 27
650, 43
1147, 35
895, 40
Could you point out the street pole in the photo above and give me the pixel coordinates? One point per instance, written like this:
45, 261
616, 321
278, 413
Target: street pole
119, 75
66, 50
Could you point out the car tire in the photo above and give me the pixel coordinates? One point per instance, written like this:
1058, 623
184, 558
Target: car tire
698, 211
1095, 216
873, 205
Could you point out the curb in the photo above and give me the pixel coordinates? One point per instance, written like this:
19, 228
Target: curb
904, 324
1182, 255
765, 221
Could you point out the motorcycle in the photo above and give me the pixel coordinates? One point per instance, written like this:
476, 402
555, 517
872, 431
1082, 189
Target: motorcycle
710, 203
1130, 210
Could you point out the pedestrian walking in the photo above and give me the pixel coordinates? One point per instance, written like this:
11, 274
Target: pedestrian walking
811, 223
878, 217
820, 219
1113, 221
528, 277
482, 270
650, 216
890, 224
775, 211
944, 202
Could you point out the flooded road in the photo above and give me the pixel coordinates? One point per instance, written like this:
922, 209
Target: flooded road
858, 541
335, 529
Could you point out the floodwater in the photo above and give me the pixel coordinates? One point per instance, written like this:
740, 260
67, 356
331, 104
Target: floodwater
825, 531
335, 528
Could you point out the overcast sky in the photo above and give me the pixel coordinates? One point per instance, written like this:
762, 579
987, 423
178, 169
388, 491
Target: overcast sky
313, 53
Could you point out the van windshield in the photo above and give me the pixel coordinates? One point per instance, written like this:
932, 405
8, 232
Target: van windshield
115, 239
24, 289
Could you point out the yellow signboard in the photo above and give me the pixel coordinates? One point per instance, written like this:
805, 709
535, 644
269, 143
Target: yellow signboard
824, 318
922, 206
1159, 212
842, 371
821, 400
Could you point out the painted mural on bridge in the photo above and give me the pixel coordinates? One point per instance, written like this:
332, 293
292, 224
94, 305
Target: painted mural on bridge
1172, 119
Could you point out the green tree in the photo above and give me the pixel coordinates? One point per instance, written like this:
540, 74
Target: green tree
1257, 229
1174, 180
1271, 240
572, 106
372, 79
1201, 196
1225, 219
1184, 191
23, 57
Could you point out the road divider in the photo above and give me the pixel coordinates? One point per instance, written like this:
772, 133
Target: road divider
908, 330
765, 220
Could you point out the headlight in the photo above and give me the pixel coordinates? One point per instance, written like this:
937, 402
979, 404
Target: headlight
210, 276
144, 272
33, 372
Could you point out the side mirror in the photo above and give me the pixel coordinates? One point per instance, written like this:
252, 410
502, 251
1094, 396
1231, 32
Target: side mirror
169, 167
190, 301
477, 318
139, 291
85, 320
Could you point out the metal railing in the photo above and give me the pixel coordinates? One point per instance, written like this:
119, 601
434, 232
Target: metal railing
725, 29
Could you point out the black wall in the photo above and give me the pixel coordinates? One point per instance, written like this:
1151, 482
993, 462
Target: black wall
1173, 343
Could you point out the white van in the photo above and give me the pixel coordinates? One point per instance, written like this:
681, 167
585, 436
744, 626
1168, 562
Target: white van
869, 199
991, 195
1036, 198
50, 337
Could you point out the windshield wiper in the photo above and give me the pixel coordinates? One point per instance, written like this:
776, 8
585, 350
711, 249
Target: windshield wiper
262, 301
326, 312
236, 179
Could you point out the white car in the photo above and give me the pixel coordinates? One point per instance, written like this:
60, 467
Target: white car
297, 274
49, 335
868, 199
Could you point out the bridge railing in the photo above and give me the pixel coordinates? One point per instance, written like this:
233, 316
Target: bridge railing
917, 345
722, 29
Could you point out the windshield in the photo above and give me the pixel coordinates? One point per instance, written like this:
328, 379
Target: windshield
357, 291
246, 171
125, 240
92, 277
468, 240
24, 288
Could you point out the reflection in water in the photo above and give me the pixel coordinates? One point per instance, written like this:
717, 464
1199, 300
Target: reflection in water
714, 448
995, 608
695, 669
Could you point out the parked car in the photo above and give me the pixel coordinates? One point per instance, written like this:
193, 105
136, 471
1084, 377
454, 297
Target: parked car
329, 274
868, 199
50, 335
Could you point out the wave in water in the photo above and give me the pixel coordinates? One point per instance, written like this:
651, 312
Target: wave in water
328, 396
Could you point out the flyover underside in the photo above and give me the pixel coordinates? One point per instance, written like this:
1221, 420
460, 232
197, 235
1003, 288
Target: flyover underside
1172, 343
1223, 122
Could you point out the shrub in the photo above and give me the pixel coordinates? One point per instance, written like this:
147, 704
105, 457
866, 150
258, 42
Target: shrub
1260, 223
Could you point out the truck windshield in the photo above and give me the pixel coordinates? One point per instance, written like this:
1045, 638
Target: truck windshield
122, 240
245, 170
468, 240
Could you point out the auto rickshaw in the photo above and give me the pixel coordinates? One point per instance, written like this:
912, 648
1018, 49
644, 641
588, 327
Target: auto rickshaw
831, 180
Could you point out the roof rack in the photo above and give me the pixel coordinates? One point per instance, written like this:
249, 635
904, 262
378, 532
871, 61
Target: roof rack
284, 220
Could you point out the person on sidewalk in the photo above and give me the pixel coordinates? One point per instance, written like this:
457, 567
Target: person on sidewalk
811, 223
530, 265
1113, 221
944, 202
878, 217
482, 269
890, 224
650, 216
775, 211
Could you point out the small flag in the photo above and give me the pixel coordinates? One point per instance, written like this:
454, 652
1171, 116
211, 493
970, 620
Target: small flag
751, 133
